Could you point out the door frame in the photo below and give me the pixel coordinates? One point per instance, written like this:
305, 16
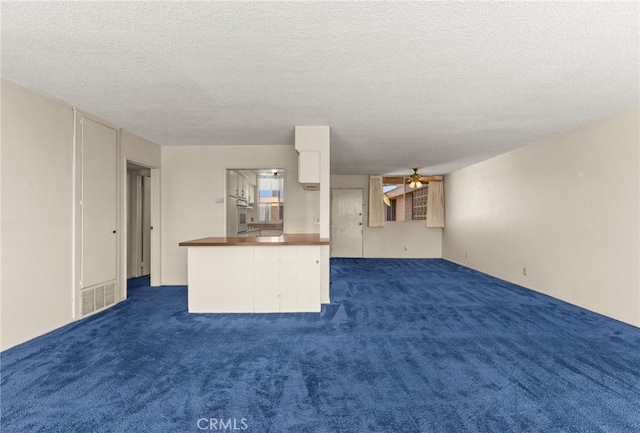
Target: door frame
134, 207
155, 247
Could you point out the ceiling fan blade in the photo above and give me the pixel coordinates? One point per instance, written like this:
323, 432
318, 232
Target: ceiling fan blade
397, 180
430, 179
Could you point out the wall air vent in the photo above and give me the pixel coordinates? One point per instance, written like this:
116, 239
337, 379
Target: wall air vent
98, 297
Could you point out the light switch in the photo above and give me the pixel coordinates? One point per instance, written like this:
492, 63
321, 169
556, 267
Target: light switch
220, 200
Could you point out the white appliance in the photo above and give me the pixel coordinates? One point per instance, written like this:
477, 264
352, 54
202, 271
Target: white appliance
237, 209
242, 209
232, 217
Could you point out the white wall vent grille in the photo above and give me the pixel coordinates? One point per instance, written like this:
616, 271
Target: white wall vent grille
110, 294
98, 297
88, 301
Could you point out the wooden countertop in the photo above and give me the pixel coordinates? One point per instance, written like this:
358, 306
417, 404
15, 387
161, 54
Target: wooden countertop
292, 239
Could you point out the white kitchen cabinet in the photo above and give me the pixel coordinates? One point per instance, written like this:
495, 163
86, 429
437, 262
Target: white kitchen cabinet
251, 193
309, 170
236, 184
219, 281
232, 183
299, 278
246, 279
266, 287
242, 186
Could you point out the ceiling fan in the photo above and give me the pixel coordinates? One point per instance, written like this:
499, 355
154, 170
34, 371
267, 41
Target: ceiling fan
415, 180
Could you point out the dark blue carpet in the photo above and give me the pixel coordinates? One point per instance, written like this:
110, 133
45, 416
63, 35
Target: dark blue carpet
407, 346
136, 282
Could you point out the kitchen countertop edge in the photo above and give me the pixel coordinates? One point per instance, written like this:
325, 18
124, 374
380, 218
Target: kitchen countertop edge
289, 239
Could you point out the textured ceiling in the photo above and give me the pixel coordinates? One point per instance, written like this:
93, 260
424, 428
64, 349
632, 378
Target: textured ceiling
436, 85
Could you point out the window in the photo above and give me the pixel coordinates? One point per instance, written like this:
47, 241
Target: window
406, 203
420, 203
270, 198
391, 211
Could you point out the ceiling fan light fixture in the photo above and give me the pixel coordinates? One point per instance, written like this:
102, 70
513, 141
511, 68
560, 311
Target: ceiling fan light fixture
418, 184
412, 184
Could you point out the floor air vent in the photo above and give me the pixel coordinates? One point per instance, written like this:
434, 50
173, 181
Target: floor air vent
98, 297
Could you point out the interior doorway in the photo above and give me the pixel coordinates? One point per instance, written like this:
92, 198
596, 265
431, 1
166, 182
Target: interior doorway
138, 220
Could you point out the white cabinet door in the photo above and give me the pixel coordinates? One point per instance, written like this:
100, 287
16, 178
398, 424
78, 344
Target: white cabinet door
309, 167
251, 192
235, 288
237, 184
219, 281
309, 170
232, 183
300, 278
242, 186
266, 277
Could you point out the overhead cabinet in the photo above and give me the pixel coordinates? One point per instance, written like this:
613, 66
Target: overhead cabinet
236, 184
251, 193
309, 170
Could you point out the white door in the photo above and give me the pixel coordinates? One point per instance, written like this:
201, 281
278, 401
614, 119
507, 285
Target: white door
98, 203
346, 223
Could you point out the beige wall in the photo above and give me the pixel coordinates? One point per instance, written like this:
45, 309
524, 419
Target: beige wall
140, 150
399, 239
37, 137
37, 212
193, 177
566, 208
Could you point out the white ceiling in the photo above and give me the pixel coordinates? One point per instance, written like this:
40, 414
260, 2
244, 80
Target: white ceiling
436, 85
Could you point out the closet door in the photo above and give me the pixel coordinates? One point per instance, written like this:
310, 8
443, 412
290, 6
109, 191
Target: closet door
96, 216
98, 203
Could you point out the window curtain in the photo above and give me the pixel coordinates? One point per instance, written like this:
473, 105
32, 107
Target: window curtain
435, 204
376, 207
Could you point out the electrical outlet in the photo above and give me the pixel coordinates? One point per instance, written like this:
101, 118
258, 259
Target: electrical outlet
465, 254
220, 200
524, 271
406, 248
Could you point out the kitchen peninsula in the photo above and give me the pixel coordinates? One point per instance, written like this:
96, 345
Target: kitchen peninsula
255, 274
